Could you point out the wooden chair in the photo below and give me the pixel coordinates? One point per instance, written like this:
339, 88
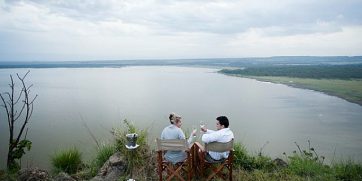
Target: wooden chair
174, 171
203, 162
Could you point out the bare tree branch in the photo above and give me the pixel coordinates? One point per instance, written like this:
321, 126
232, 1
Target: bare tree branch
6, 108
20, 94
21, 111
14, 112
29, 108
30, 87
31, 102
8, 94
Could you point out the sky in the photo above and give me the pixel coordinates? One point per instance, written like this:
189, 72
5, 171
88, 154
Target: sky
76, 30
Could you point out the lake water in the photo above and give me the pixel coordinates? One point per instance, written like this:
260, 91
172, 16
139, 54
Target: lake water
261, 114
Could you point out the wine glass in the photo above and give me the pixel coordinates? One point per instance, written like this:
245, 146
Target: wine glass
194, 129
202, 125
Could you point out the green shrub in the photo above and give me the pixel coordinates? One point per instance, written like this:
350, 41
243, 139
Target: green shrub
307, 163
242, 158
268, 176
103, 154
347, 170
8, 175
142, 155
262, 162
306, 167
247, 162
68, 161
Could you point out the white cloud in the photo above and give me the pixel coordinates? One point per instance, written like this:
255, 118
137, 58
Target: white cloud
344, 42
114, 29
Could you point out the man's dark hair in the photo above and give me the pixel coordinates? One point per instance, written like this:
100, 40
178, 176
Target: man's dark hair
223, 120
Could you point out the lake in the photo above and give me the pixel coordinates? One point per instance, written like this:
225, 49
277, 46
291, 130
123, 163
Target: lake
264, 116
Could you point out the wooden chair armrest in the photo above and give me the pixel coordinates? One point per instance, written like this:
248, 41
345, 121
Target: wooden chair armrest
199, 147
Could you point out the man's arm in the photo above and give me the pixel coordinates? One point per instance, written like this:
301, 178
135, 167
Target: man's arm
210, 137
208, 131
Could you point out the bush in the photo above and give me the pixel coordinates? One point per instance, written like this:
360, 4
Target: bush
242, 158
142, 155
68, 161
8, 175
262, 162
267, 176
307, 163
103, 154
347, 170
247, 162
306, 167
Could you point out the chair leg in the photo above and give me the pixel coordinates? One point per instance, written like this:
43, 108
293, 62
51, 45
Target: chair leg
160, 175
189, 171
174, 173
216, 172
201, 163
231, 172
160, 165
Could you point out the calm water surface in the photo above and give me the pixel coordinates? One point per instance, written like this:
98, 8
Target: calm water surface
260, 113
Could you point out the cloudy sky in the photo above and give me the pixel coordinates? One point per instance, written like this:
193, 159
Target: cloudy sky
54, 30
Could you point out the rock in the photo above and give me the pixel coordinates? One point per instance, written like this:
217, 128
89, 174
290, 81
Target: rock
112, 169
280, 163
116, 159
33, 174
63, 177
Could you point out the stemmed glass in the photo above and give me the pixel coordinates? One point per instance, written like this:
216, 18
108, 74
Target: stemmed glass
202, 125
194, 129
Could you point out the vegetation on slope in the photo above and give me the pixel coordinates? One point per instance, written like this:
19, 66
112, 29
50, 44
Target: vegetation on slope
351, 71
341, 81
303, 164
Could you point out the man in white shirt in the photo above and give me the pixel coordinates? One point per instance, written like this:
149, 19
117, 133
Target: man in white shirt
223, 134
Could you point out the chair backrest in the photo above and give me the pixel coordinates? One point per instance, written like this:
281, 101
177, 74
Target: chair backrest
172, 144
219, 147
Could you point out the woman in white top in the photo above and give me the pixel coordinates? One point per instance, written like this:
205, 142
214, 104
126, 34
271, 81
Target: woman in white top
174, 131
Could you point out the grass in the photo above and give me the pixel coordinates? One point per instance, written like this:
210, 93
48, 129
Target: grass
68, 161
142, 158
248, 162
9, 176
347, 170
103, 154
350, 90
306, 167
304, 164
260, 175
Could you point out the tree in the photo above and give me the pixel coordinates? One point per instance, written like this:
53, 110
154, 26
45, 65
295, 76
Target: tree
18, 105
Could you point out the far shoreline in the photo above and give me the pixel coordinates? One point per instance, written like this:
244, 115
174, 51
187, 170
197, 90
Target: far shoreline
276, 80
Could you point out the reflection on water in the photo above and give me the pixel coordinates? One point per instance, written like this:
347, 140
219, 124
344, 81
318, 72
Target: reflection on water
259, 112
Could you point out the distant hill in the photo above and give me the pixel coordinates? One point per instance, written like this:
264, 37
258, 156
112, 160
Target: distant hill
347, 71
216, 62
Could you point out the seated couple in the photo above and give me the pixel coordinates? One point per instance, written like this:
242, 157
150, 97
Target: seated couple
223, 134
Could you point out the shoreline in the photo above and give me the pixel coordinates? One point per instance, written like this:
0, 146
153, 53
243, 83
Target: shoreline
298, 85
